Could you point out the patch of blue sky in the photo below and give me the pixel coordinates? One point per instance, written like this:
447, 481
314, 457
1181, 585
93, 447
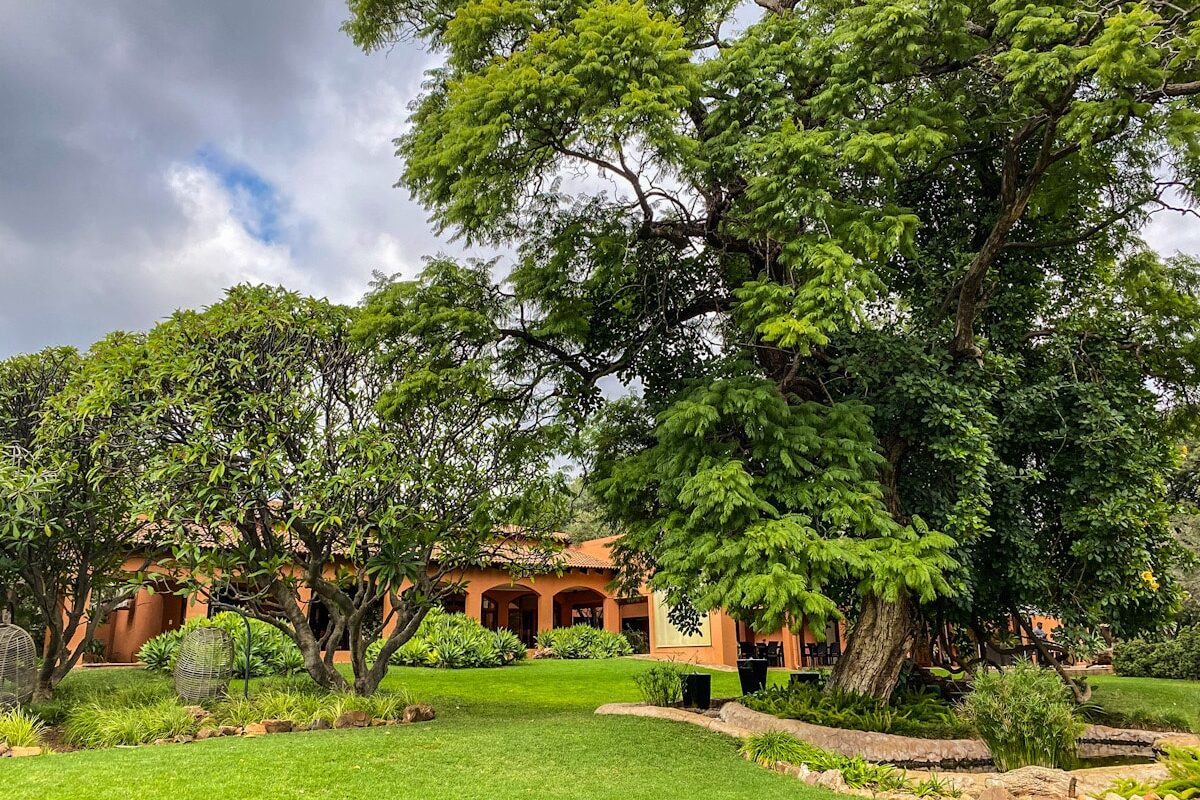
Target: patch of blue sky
255, 202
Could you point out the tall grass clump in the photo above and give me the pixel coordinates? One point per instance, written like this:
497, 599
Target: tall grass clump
661, 685
582, 641
1026, 716
21, 728
99, 724
908, 714
770, 747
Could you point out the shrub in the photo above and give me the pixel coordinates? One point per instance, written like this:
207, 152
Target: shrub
159, 652
271, 651
305, 706
1183, 777
770, 747
1177, 657
454, 641
100, 724
21, 728
909, 714
582, 641
1026, 716
661, 685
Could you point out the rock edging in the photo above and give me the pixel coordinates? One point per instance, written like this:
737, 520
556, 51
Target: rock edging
890, 748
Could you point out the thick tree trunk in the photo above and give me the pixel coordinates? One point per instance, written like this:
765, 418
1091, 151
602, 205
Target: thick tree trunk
876, 649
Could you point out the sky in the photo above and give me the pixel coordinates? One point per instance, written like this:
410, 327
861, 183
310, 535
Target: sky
153, 153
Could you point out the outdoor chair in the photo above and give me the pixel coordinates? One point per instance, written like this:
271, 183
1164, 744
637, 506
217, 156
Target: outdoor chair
775, 654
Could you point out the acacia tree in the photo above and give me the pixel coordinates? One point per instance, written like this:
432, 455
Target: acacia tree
285, 484
858, 257
67, 494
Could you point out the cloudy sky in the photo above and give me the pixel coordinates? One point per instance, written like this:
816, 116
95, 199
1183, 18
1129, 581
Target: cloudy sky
153, 153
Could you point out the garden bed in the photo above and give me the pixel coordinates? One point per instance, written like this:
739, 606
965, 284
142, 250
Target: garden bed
909, 752
929, 760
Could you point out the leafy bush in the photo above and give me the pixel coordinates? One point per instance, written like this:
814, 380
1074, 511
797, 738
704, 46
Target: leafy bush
271, 651
1026, 716
100, 724
158, 653
909, 714
582, 641
770, 747
1177, 657
1183, 777
306, 706
454, 641
661, 685
21, 728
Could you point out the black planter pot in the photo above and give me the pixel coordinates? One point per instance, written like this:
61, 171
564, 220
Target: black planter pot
752, 673
697, 690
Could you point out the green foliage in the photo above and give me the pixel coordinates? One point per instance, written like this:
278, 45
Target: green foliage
304, 706
69, 487
1175, 656
770, 747
661, 685
455, 641
767, 534
158, 653
875, 269
271, 651
582, 641
1025, 716
908, 714
1183, 781
288, 429
102, 724
19, 727
934, 786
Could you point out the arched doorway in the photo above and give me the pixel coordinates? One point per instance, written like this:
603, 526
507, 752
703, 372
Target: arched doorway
512, 607
578, 605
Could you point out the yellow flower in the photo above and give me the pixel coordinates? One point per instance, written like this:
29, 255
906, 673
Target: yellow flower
1149, 579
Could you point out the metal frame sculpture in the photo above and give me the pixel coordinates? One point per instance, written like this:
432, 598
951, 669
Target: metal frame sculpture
204, 664
18, 666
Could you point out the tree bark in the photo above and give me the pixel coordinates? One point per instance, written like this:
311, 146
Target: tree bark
876, 649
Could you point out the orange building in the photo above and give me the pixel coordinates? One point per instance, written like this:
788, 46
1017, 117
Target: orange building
579, 591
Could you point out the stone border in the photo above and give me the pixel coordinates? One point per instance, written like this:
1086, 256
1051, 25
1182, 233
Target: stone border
1026, 782
735, 719
417, 712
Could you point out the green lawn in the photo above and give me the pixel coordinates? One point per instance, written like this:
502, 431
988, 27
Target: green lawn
519, 732
1148, 697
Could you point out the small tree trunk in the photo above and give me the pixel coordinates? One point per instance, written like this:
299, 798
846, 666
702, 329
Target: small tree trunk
876, 649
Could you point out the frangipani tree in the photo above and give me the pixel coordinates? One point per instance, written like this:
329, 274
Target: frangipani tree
870, 238
299, 464
68, 490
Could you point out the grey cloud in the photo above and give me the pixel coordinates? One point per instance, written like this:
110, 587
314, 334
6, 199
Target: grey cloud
103, 105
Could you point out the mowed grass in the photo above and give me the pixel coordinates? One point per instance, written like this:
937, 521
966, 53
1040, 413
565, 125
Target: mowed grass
1148, 696
519, 732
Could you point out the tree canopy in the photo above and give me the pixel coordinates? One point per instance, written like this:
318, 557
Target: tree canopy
873, 272
68, 494
301, 465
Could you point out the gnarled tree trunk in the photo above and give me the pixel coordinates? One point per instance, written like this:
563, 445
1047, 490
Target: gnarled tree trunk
876, 648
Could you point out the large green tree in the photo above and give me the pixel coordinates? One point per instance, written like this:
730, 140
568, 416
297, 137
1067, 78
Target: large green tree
300, 465
868, 267
68, 490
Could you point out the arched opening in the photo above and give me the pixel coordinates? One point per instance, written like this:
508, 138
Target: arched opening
513, 607
578, 606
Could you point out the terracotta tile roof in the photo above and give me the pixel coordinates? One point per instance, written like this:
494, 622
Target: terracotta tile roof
582, 559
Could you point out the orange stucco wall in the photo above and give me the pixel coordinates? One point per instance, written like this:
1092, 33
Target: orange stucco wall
153, 612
